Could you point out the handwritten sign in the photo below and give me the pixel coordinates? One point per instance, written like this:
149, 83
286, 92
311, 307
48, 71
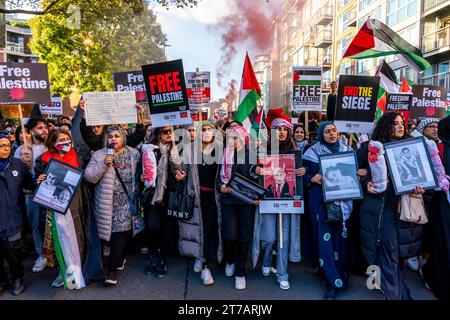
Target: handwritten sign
103, 108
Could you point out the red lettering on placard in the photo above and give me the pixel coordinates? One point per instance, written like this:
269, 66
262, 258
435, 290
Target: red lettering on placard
166, 82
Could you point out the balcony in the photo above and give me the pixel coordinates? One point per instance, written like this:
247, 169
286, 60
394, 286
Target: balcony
440, 79
324, 39
324, 16
15, 47
433, 6
324, 61
436, 42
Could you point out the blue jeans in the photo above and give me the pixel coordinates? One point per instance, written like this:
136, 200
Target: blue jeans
270, 232
34, 213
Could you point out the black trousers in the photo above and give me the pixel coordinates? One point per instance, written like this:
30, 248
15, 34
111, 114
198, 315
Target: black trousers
118, 247
210, 225
10, 251
162, 230
237, 226
389, 261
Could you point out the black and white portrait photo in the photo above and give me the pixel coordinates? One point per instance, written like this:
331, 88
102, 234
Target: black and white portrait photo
58, 188
409, 165
340, 181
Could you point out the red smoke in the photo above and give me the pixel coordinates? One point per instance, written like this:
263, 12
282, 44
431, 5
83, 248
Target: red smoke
248, 25
231, 92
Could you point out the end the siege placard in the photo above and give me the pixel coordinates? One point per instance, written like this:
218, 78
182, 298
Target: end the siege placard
356, 103
166, 92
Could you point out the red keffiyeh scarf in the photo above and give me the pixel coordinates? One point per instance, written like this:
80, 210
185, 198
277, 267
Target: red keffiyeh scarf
69, 157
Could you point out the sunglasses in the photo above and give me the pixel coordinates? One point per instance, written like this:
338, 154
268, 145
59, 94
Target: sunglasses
8, 131
167, 131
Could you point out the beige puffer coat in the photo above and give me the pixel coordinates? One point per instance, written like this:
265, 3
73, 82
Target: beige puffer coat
99, 173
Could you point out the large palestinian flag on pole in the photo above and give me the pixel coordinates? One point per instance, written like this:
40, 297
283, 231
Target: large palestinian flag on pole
375, 39
249, 95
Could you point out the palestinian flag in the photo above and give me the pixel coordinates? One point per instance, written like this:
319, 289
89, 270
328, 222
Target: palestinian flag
258, 126
406, 85
249, 95
375, 39
388, 83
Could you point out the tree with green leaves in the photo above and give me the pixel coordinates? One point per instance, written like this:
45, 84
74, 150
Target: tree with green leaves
109, 36
39, 7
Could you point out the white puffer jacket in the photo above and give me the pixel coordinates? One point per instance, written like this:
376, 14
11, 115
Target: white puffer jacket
99, 173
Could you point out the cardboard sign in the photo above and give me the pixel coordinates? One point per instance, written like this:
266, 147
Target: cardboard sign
356, 103
400, 102
104, 108
24, 83
131, 81
166, 92
54, 108
307, 89
427, 102
198, 88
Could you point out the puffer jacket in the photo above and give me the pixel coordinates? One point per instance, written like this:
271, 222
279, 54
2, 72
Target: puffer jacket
190, 242
372, 207
99, 173
13, 180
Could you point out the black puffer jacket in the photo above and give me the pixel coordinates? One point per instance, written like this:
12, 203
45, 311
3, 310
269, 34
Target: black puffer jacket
373, 206
13, 180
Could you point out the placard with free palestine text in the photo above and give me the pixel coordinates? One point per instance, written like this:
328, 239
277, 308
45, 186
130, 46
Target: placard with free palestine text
166, 93
22, 83
307, 89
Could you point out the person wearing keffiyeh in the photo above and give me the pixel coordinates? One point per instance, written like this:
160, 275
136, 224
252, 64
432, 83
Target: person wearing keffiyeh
330, 239
237, 215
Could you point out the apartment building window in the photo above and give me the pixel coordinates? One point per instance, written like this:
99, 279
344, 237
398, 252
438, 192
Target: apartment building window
342, 45
345, 68
343, 21
343, 3
399, 10
375, 14
363, 4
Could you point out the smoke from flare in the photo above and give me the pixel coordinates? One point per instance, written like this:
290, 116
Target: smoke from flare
248, 24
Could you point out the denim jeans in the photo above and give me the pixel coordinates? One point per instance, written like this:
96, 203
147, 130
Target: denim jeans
269, 234
37, 222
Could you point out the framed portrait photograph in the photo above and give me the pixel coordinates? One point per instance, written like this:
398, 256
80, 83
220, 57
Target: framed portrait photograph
284, 188
340, 179
409, 165
245, 189
56, 192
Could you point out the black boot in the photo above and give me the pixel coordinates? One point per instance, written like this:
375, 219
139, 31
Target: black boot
17, 287
150, 267
161, 268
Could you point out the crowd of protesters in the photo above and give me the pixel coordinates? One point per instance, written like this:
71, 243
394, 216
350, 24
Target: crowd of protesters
129, 164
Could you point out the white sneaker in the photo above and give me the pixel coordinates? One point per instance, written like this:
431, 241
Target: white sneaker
266, 271
58, 282
40, 264
413, 263
207, 277
229, 269
198, 265
122, 267
284, 284
239, 283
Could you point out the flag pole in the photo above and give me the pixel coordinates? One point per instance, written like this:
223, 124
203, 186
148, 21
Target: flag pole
280, 218
23, 126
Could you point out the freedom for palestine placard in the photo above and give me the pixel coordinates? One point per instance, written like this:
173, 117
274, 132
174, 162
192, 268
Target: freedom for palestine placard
307, 89
166, 92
